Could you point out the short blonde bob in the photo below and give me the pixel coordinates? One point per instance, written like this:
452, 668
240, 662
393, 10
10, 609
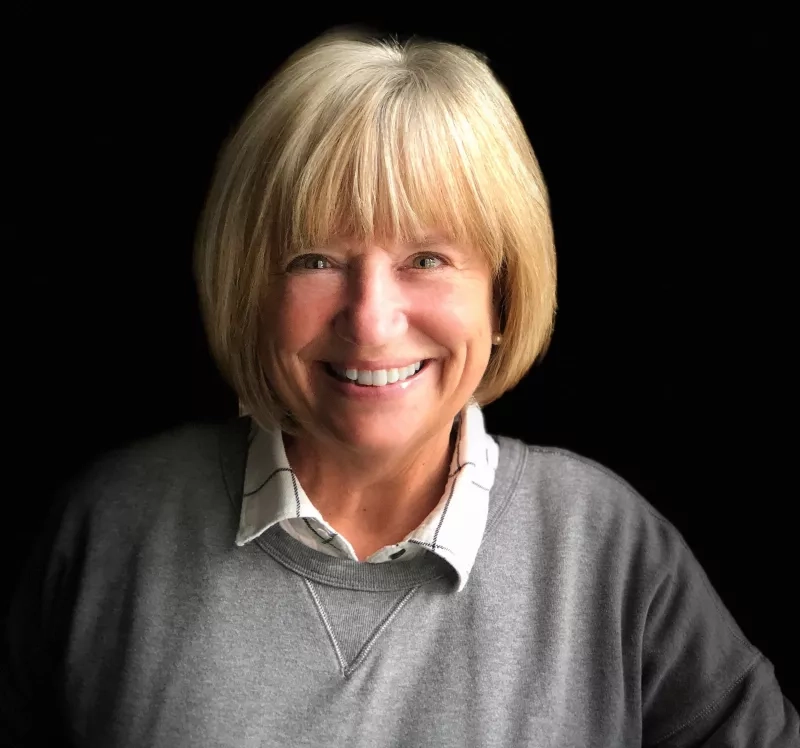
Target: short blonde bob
367, 137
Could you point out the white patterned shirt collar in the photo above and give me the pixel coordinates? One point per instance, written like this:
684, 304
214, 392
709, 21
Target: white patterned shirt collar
453, 530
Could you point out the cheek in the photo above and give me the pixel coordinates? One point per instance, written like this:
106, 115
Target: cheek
300, 311
459, 316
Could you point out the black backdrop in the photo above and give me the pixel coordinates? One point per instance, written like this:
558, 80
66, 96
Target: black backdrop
660, 143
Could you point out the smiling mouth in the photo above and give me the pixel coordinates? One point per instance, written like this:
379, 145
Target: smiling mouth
382, 378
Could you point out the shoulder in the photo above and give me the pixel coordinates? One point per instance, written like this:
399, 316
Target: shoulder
570, 508
578, 499
182, 449
154, 474
187, 443
568, 479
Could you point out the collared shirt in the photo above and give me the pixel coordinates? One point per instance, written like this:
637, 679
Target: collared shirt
453, 530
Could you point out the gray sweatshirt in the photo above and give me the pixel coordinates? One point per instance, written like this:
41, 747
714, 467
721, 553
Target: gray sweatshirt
586, 621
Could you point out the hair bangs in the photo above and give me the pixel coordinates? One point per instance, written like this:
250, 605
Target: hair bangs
383, 170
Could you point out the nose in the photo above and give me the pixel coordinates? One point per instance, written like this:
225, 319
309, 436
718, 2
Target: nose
373, 312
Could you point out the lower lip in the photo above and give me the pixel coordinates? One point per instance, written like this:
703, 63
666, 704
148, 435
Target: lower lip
367, 392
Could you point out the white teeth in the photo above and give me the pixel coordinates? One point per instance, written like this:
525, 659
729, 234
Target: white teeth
380, 377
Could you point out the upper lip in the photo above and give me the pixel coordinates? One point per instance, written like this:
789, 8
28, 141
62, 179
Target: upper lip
374, 365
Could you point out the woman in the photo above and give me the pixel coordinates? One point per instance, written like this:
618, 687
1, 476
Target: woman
357, 562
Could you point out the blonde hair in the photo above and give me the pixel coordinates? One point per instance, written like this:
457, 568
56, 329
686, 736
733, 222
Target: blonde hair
368, 138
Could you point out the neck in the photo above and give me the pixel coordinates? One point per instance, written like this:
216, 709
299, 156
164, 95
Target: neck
372, 500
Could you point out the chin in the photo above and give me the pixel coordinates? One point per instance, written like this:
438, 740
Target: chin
378, 433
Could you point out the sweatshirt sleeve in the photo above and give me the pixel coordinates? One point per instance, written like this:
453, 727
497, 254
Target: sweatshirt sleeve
31, 710
703, 682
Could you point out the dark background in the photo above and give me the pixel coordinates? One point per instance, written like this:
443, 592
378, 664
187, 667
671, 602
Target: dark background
661, 143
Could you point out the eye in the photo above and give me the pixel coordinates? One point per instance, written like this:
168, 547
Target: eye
309, 262
427, 262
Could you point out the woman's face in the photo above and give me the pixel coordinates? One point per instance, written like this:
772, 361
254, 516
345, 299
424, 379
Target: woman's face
347, 324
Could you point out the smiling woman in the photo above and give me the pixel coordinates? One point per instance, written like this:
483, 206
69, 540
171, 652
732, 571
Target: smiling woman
355, 561
358, 162
376, 142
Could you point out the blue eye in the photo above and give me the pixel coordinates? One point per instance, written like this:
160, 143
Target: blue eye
428, 262
309, 262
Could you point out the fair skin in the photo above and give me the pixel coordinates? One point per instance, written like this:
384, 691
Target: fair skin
374, 460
